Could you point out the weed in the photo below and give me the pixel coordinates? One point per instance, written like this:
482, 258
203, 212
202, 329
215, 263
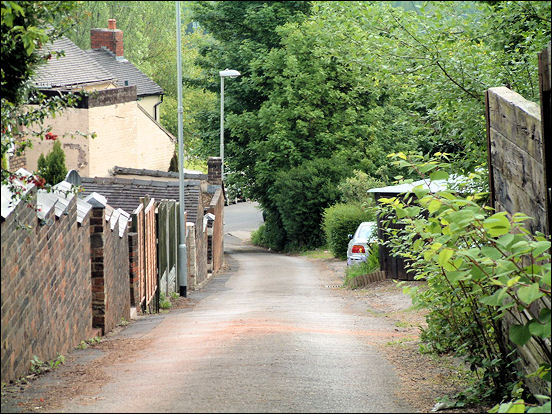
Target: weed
38, 366
123, 322
402, 324
164, 302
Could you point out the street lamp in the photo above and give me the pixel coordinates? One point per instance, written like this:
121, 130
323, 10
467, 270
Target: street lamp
182, 256
227, 73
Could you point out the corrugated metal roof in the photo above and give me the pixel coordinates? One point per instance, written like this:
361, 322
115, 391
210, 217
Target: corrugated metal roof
125, 73
434, 186
75, 68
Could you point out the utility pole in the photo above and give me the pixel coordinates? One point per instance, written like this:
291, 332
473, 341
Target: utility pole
182, 254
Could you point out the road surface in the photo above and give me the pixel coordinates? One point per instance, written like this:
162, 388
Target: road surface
268, 335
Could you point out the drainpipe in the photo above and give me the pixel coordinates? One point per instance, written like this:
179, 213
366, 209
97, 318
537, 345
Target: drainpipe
155, 109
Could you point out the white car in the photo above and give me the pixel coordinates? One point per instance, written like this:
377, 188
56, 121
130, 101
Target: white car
359, 244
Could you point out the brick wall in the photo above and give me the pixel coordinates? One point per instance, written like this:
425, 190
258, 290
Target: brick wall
134, 269
214, 170
109, 271
46, 302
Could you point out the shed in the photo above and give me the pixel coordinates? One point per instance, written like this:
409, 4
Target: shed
393, 266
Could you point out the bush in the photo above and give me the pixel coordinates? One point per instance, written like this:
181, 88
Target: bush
258, 237
341, 220
354, 190
486, 279
52, 167
300, 196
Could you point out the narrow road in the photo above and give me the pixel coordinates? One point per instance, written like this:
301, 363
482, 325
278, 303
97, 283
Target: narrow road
268, 335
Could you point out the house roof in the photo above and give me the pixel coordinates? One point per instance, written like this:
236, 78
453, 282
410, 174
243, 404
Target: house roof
125, 73
125, 193
74, 69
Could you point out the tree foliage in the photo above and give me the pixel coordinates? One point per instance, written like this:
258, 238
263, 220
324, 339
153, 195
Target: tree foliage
362, 79
52, 166
26, 27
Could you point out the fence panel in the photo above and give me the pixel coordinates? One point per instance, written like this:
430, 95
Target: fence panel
150, 251
162, 245
138, 227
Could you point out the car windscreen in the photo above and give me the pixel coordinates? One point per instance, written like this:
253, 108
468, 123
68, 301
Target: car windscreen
365, 232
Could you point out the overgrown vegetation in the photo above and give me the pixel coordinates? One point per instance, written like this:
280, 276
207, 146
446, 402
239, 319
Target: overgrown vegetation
39, 367
370, 265
355, 81
484, 271
339, 221
164, 301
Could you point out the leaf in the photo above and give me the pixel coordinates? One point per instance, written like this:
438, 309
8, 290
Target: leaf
544, 315
529, 294
444, 256
519, 334
540, 247
539, 329
545, 408
439, 175
495, 299
455, 276
497, 224
506, 240
434, 205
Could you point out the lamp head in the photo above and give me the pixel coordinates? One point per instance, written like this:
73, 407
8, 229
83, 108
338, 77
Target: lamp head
229, 73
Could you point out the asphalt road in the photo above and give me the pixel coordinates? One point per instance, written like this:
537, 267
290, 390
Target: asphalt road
268, 335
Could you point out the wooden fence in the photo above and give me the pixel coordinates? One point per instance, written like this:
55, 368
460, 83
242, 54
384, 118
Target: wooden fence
167, 226
144, 224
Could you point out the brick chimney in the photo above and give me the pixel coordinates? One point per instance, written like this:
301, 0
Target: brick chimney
214, 170
110, 38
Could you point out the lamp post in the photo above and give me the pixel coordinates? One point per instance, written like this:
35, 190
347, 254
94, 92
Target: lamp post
227, 73
182, 253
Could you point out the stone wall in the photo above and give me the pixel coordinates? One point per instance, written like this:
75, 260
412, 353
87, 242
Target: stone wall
516, 156
46, 300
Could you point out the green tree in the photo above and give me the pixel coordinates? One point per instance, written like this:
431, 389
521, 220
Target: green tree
52, 167
26, 27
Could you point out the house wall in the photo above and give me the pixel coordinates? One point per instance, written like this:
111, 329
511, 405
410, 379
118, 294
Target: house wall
46, 288
116, 141
154, 147
125, 136
76, 147
148, 103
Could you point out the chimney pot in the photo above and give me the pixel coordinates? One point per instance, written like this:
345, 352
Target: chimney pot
112, 24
